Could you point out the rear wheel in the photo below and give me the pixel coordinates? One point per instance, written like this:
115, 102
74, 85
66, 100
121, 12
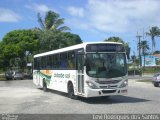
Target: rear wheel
71, 91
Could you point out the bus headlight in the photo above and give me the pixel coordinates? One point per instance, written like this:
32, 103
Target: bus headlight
124, 84
91, 85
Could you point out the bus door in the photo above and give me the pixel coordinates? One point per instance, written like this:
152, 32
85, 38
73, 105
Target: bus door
38, 71
80, 66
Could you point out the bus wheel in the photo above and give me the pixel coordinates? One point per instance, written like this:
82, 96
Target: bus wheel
71, 91
44, 86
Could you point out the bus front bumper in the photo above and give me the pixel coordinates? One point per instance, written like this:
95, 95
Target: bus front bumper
105, 92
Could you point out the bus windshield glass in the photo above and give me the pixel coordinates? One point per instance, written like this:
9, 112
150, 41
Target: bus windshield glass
106, 65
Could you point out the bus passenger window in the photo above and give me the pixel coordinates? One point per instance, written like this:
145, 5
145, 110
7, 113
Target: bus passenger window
63, 60
49, 62
56, 61
71, 60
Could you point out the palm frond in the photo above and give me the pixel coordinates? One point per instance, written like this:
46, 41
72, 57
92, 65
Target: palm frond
63, 28
59, 22
40, 21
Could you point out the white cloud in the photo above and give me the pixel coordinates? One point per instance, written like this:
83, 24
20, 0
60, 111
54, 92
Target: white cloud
76, 11
42, 8
76, 23
8, 15
118, 16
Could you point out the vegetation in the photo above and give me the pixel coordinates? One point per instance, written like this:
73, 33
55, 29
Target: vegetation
52, 21
18, 46
52, 33
151, 70
156, 52
134, 70
144, 47
153, 32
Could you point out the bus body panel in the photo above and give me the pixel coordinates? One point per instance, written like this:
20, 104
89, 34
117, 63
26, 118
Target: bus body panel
55, 79
103, 92
84, 77
58, 80
106, 87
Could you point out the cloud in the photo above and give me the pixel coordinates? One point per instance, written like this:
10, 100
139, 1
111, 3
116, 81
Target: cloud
42, 8
118, 16
76, 11
8, 15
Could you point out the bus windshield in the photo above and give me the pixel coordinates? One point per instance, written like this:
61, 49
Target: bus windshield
106, 65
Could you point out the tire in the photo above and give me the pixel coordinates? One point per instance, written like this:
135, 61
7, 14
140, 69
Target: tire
44, 86
156, 85
71, 92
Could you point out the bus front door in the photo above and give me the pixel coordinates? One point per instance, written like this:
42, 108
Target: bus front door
80, 65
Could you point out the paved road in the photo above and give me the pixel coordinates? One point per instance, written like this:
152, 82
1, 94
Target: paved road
22, 96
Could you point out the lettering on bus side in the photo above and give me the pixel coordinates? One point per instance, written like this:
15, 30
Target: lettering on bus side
61, 75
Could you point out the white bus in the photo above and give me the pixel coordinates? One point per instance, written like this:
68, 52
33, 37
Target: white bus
88, 70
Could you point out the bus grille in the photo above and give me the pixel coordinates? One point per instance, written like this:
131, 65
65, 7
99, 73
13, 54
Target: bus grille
110, 86
108, 82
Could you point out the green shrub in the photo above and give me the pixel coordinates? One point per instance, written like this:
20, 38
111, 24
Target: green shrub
2, 77
151, 69
137, 72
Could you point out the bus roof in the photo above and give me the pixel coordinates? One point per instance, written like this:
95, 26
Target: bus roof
74, 47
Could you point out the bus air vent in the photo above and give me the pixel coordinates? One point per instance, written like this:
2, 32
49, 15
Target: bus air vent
108, 91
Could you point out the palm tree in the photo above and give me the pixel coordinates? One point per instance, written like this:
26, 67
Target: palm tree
153, 32
52, 22
50, 33
144, 46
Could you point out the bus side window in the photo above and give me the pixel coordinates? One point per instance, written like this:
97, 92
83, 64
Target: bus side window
56, 61
35, 63
52, 67
38, 62
63, 60
49, 62
71, 60
43, 63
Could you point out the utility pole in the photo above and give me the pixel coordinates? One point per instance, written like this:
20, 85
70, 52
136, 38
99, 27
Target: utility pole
139, 50
134, 62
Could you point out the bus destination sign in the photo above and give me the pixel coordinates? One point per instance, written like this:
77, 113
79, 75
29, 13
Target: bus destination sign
105, 48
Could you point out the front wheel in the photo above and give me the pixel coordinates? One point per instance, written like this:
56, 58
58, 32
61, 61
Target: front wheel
71, 91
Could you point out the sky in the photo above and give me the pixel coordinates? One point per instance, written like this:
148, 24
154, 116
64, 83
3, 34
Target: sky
92, 20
